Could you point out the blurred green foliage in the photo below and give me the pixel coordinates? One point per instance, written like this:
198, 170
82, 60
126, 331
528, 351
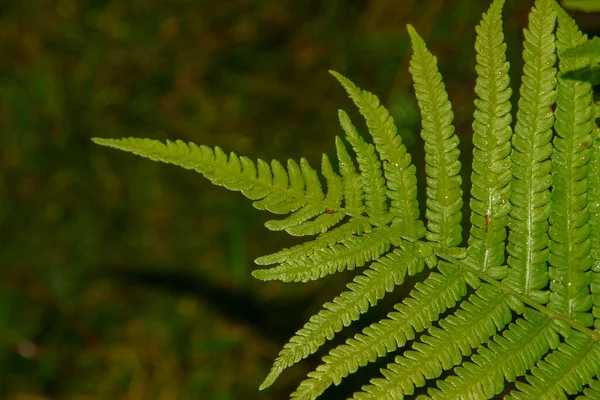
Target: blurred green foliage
124, 279
583, 5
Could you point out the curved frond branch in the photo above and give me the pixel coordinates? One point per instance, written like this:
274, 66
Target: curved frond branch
530, 197
272, 188
427, 301
490, 190
399, 172
354, 251
364, 292
444, 193
505, 358
485, 313
373, 182
569, 229
355, 226
568, 369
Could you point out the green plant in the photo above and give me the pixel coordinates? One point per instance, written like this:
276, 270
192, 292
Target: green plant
583, 5
533, 251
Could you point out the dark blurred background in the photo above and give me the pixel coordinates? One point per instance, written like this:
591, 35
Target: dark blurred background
121, 278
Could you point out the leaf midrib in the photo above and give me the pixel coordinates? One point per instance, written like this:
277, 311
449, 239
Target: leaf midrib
593, 334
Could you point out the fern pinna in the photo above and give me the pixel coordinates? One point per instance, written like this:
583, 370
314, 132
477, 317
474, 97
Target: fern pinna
533, 251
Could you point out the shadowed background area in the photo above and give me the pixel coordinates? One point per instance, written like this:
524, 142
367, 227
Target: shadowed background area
121, 278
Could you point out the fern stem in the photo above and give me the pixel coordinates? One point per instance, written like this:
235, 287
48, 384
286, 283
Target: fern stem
505, 287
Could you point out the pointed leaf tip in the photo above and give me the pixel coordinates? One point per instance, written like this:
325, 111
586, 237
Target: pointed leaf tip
337, 75
414, 35
101, 141
341, 78
271, 377
411, 30
258, 274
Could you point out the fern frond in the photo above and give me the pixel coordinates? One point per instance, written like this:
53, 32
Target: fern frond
530, 197
505, 358
594, 221
354, 251
301, 222
370, 167
399, 172
273, 188
490, 191
444, 194
365, 291
328, 239
569, 230
593, 181
486, 312
529, 319
427, 301
572, 365
353, 198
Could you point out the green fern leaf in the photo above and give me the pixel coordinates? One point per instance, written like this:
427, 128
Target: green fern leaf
274, 189
490, 191
351, 252
322, 222
323, 241
372, 180
506, 357
583, 5
427, 301
364, 292
528, 238
530, 318
593, 179
444, 195
399, 172
569, 229
478, 319
572, 365
353, 190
